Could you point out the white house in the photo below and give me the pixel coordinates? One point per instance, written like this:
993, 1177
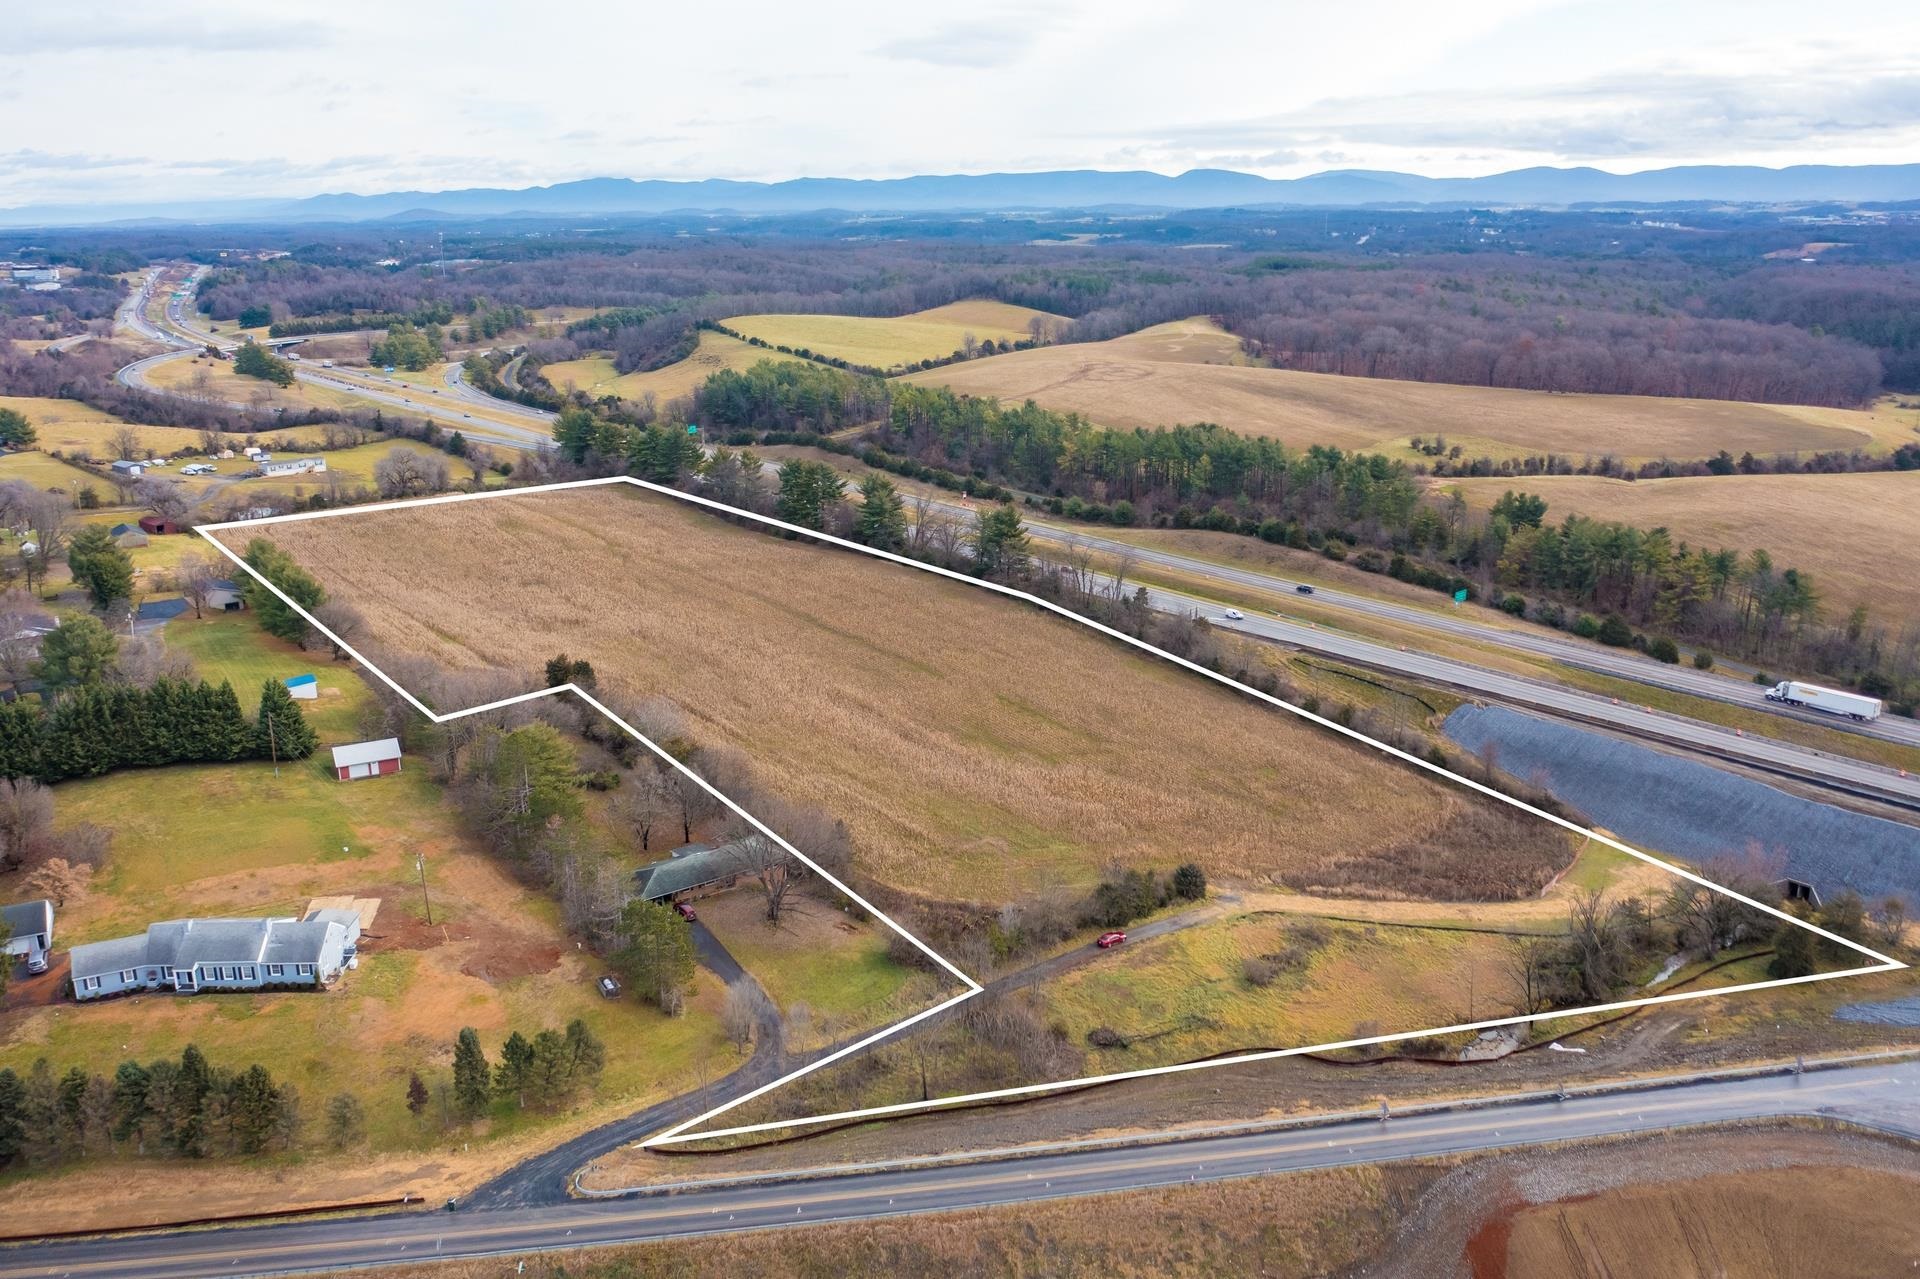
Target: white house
367, 759
190, 955
294, 466
28, 934
225, 596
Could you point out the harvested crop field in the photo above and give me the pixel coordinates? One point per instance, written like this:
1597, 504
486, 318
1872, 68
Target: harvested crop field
597, 377
883, 342
1192, 371
976, 747
1858, 534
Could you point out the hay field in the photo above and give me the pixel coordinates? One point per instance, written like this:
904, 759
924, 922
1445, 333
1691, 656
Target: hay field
216, 380
595, 375
1859, 535
885, 342
976, 748
1186, 372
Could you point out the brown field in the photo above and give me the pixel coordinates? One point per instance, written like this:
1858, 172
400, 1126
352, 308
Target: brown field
595, 375
975, 747
1859, 535
891, 341
1780, 1222
216, 380
1186, 372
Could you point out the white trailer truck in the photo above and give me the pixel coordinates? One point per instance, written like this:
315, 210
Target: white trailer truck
1830, 700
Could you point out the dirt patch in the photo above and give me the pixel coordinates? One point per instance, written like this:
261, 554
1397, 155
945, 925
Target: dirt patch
505, 957
40, 991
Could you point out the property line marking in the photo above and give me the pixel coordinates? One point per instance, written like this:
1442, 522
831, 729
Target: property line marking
678, 1133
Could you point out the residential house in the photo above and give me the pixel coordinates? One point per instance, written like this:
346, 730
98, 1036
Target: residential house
367, 759
691, 870
293, 466
190, 955
127, 536
28, 934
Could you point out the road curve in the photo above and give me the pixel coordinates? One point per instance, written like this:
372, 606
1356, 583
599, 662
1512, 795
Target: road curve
1883, 1094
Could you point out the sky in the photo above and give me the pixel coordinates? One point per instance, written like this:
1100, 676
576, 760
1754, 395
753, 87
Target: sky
104, 101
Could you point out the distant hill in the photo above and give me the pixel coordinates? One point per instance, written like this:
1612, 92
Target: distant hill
1062, 189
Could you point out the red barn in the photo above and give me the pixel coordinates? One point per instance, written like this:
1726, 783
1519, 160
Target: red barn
157, 524
367, 759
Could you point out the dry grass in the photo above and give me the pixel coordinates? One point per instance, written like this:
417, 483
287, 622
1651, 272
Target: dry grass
215, 380
885, 342
1290, 1227
1183, 372
1766, 1224
1859, 535
976, 748
596, 376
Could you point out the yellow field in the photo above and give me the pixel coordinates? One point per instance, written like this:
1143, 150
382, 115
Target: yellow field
44, 472
1859, 535
216, 380
1185, 372
974, 747
890, 341
716, 351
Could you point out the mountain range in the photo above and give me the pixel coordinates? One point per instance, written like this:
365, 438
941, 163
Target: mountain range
1054, 190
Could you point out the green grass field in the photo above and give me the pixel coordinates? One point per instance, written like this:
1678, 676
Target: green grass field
231, 646
818, 956
891, 341
45, 472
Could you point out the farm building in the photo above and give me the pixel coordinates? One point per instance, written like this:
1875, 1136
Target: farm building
367, 759
132, 470
127, 536
293, 466
190, 955
691, 870
158, 525
304, 687
225, 596
28, 933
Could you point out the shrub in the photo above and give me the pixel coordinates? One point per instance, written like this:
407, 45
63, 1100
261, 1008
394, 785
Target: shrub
1703, 660
1663, 649
1614, 632
1586, 626
1259, 970
1190, 882
1106, 1037
1514, 604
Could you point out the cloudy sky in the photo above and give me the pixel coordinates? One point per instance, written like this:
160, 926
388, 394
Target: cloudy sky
106, 101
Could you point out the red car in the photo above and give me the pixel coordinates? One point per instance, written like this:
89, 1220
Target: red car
684, 910
1109, 940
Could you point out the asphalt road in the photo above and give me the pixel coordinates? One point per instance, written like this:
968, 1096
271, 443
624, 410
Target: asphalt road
1836, 771
1885, 1094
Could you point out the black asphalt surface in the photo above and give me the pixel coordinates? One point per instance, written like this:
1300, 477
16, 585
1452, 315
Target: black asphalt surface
1885, 1095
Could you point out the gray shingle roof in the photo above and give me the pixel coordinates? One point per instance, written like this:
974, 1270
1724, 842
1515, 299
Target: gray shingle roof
28, 917
96, 959
691, 866
183, 943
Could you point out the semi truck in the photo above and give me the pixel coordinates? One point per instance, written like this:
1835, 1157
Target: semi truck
1830, 700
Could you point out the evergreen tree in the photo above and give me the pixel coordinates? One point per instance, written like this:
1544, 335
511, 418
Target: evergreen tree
472, 1079
131, 1084
281, 731
585, 1051
42, 1135
12, 1099
191, 1088
808, 493
510, 1077
16, 432
416, 1095
1000, 545
346, 1121
253, 1110
22, 725
275, 616
550, 1074
882, 520
101, 567
220, 724
657, 954
78, 651
254, 360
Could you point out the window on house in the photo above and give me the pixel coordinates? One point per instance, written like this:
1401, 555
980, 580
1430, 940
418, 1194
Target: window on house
276, 970
306, 970
126, 974
92, 983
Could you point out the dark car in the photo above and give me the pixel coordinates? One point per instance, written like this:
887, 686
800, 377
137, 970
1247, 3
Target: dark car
1303, 589
609, 987
684, 910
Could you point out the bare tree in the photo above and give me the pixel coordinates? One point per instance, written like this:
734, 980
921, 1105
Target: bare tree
124, 443
647, 800
745, 1011
145, 659
771, 867
1530, 964
196, 574
22, 623
408, 472
26, 821
342, 622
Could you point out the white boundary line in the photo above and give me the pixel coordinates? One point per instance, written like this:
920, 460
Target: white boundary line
678, 1133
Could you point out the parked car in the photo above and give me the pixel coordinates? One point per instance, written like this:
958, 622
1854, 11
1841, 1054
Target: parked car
1303, 589
1109, 940
609, 987
684, 910
1235, 615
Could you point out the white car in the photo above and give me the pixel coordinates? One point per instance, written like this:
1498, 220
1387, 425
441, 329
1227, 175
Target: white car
1235, 615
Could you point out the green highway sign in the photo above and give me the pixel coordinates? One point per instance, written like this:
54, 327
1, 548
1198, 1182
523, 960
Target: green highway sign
692, 429
1460, 596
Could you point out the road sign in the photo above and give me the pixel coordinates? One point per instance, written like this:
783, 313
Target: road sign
1460, 596
692, 429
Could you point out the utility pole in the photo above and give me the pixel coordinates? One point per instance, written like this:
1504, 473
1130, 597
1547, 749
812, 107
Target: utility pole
273, 744
420, 864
